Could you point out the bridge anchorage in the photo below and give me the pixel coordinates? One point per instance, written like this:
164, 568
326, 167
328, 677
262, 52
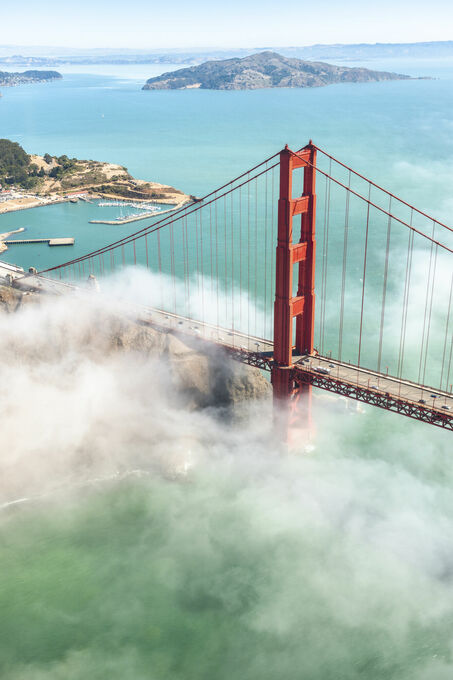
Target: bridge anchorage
381, 329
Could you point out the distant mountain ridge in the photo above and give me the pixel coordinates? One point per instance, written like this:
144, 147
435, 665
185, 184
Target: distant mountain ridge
54, 56
264, 70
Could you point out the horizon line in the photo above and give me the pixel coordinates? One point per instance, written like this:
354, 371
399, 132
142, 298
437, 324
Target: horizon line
221, 47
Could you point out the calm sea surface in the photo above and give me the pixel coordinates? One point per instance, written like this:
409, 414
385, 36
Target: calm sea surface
398, 133
335, 566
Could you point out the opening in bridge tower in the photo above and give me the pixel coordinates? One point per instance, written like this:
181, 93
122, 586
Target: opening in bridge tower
296, 253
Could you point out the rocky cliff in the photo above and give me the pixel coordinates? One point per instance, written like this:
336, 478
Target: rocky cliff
202, 379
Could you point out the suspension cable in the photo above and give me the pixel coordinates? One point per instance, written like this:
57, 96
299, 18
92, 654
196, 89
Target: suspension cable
169, 219
378, 207
385, 191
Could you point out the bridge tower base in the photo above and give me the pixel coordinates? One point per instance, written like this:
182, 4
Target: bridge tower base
292, 401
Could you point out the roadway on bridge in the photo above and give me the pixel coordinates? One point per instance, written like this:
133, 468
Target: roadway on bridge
378, 382
316, 365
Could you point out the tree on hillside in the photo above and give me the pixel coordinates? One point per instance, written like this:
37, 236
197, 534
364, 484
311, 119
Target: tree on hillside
13, 159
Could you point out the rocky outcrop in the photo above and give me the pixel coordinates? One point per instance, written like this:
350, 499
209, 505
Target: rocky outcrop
10, 299
202, 375
263, 70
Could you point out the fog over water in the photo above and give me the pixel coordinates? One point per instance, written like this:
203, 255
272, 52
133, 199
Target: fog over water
143, 540
159, 542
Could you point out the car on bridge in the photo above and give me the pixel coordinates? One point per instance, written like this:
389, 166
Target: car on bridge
323, 370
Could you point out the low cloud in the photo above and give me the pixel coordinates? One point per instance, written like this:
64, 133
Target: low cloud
161, 541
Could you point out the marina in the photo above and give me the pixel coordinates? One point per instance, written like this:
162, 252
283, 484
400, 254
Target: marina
148, 211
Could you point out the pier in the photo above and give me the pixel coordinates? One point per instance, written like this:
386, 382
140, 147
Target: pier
50, 241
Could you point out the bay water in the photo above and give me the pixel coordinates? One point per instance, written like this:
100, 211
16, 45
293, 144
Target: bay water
338, 565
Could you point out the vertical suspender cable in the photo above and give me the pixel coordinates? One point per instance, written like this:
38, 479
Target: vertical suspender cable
321, 321
232, 261
183, 239
364, 272
449, 364
225, 324
188, 267
202, 265
273, 247
343, 278
196, 244
255, 301
161, 283
446, 335
430, 312
407, 282
210, 247
248, 256
324, 311
217, 261
426, 306
384, 285
240, 257
172, 265
265, 257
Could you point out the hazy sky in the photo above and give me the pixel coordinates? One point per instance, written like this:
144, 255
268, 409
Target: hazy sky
234, 23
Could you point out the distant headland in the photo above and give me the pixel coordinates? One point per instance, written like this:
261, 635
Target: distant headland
8, 78
264, 70
28, 181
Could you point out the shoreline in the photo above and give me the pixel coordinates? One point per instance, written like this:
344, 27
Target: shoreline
36, 202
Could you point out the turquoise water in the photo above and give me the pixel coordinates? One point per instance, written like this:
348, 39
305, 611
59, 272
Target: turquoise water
196, 140
398, 133
323, 567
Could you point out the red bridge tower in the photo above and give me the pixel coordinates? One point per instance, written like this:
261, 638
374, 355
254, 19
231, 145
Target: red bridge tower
291, 251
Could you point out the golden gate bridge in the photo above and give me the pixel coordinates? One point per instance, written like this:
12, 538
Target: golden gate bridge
240, 268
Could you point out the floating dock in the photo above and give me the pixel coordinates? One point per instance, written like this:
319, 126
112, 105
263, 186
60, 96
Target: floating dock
51, 241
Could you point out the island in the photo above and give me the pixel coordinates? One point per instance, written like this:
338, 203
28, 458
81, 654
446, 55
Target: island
30, 180
264, 70
10, 78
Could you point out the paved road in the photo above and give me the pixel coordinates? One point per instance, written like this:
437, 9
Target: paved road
381, 383
321, 366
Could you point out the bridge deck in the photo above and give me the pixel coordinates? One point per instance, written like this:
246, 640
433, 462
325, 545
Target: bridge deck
416, 401
420, 402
